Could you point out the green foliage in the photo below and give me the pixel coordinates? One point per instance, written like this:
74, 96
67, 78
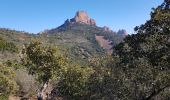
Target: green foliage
3, 97
73, 82
91, 83
7, 46
16, 37
79, 41
139, 68
106, 81
41, 61
145, 57
17, 65
7, 83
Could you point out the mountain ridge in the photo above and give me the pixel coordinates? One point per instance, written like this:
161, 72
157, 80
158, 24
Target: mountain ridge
82, 17
79, 38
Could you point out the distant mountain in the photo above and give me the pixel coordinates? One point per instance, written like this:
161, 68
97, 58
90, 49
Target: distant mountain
81, 17
82, 38
79, 38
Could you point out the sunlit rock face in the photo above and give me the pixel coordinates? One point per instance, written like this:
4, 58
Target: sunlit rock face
81, 17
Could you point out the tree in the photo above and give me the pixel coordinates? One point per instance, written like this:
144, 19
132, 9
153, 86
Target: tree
145, 56
41, 61
106, 82
73, 83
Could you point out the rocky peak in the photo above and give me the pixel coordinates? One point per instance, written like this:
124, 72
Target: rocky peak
81, 17
107, 29
122, 32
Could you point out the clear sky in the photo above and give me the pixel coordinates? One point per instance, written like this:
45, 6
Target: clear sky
37, 15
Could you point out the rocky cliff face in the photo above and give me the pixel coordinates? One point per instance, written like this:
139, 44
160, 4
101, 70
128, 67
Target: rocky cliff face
82, 18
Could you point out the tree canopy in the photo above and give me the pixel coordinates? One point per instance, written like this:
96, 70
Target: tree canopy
145, 56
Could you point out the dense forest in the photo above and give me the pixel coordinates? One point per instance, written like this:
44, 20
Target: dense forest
137, 69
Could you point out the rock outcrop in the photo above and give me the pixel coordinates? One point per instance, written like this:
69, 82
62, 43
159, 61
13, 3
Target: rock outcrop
107, 29
82, 18
122, 32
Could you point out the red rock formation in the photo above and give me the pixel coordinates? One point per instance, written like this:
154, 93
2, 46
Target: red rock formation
81, 17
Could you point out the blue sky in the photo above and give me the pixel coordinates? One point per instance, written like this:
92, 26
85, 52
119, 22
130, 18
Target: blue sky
36, 15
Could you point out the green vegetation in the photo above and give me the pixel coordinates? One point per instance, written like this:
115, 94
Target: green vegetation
74, 82
139, 66
7, 46
7, 83
16, 37
79, 42
144, 57
42, 62
75, 67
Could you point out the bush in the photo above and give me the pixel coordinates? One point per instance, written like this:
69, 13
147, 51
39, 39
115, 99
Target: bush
73, 83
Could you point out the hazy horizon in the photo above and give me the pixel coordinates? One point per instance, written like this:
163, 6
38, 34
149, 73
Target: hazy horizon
35, 16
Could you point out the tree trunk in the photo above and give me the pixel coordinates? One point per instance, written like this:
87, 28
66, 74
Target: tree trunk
154, 93
41, 95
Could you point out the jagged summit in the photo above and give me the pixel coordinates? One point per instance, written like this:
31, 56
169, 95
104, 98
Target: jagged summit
81, 17
82, 22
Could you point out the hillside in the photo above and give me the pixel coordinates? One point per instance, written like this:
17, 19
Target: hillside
11, 42
80, 60
17, 37
79, 37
